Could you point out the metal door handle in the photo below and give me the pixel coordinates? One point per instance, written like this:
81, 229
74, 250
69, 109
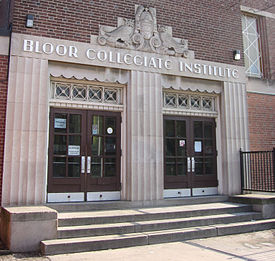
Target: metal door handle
82, 164
193, 164
188, 164
88, 165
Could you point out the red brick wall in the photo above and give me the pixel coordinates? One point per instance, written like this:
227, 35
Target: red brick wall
3, 103
212, 27
261, 116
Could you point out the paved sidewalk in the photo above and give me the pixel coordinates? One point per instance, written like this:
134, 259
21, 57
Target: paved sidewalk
258, 246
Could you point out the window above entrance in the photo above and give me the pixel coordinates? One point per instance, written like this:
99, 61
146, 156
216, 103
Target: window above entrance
89, 93
187, 101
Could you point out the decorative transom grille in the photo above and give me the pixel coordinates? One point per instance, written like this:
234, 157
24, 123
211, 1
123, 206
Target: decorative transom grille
88, 93
251, 37
189, 101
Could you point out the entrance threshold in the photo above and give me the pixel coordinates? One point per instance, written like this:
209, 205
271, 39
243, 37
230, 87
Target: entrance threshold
122, 204
180, 193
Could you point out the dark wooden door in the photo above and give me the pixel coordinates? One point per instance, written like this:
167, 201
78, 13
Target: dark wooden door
189, 152
66, 146
84, 151
103, 151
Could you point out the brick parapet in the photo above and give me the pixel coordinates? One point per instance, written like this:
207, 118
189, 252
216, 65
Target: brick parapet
213, 28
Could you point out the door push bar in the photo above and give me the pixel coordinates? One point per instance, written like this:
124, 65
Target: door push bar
190, 164
88, 165
83, 164
83, 159
193, 164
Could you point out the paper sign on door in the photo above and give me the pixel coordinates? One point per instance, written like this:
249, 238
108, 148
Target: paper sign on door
198, 147
59, 123
73, 150
182, 143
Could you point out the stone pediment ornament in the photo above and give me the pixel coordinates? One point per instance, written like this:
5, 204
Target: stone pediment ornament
144, 34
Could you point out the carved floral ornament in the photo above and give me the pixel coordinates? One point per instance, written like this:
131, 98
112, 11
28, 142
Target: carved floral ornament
143, 34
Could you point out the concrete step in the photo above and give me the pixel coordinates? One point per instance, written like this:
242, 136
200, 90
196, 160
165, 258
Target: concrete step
153, 225
112, 205
81, 244
157, 213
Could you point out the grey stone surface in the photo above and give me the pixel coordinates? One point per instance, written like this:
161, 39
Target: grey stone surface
257, 246
264, 203
51, 247
153, 225
132, 215
113, 205
32, 223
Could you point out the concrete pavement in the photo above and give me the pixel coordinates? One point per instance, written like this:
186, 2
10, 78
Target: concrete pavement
258, 246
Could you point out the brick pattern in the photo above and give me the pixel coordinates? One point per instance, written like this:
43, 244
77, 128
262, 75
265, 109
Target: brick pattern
212, 27
261, 121
3, 103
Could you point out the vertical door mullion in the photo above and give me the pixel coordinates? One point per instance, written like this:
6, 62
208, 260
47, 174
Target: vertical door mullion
104, 149
175, 151
190, 146
84, 151
118, 148
67, 144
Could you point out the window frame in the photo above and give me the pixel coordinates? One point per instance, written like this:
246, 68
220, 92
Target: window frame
260, 49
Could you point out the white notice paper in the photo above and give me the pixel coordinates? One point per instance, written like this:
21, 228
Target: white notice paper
59, 123
73, 150
198, 147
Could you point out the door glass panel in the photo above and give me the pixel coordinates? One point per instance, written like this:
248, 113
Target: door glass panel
170, 147
110, 146
181, 128
169, 128
74, 140
59, 167
171, 167
60, 145
208, 127
96, 169
74, 167
209, 166
97, 146
110, 125
198, 129
182, 168
75, 123
198, 166
97, 125
60, 122
110, 167
208, 147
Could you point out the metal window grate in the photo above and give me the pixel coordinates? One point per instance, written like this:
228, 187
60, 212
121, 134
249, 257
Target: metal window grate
188, 101
86, 93
251, 37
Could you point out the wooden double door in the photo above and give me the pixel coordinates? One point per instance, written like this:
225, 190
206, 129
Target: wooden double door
190, 156
84, 151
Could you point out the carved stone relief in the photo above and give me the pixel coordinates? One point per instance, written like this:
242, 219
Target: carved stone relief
144, 34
